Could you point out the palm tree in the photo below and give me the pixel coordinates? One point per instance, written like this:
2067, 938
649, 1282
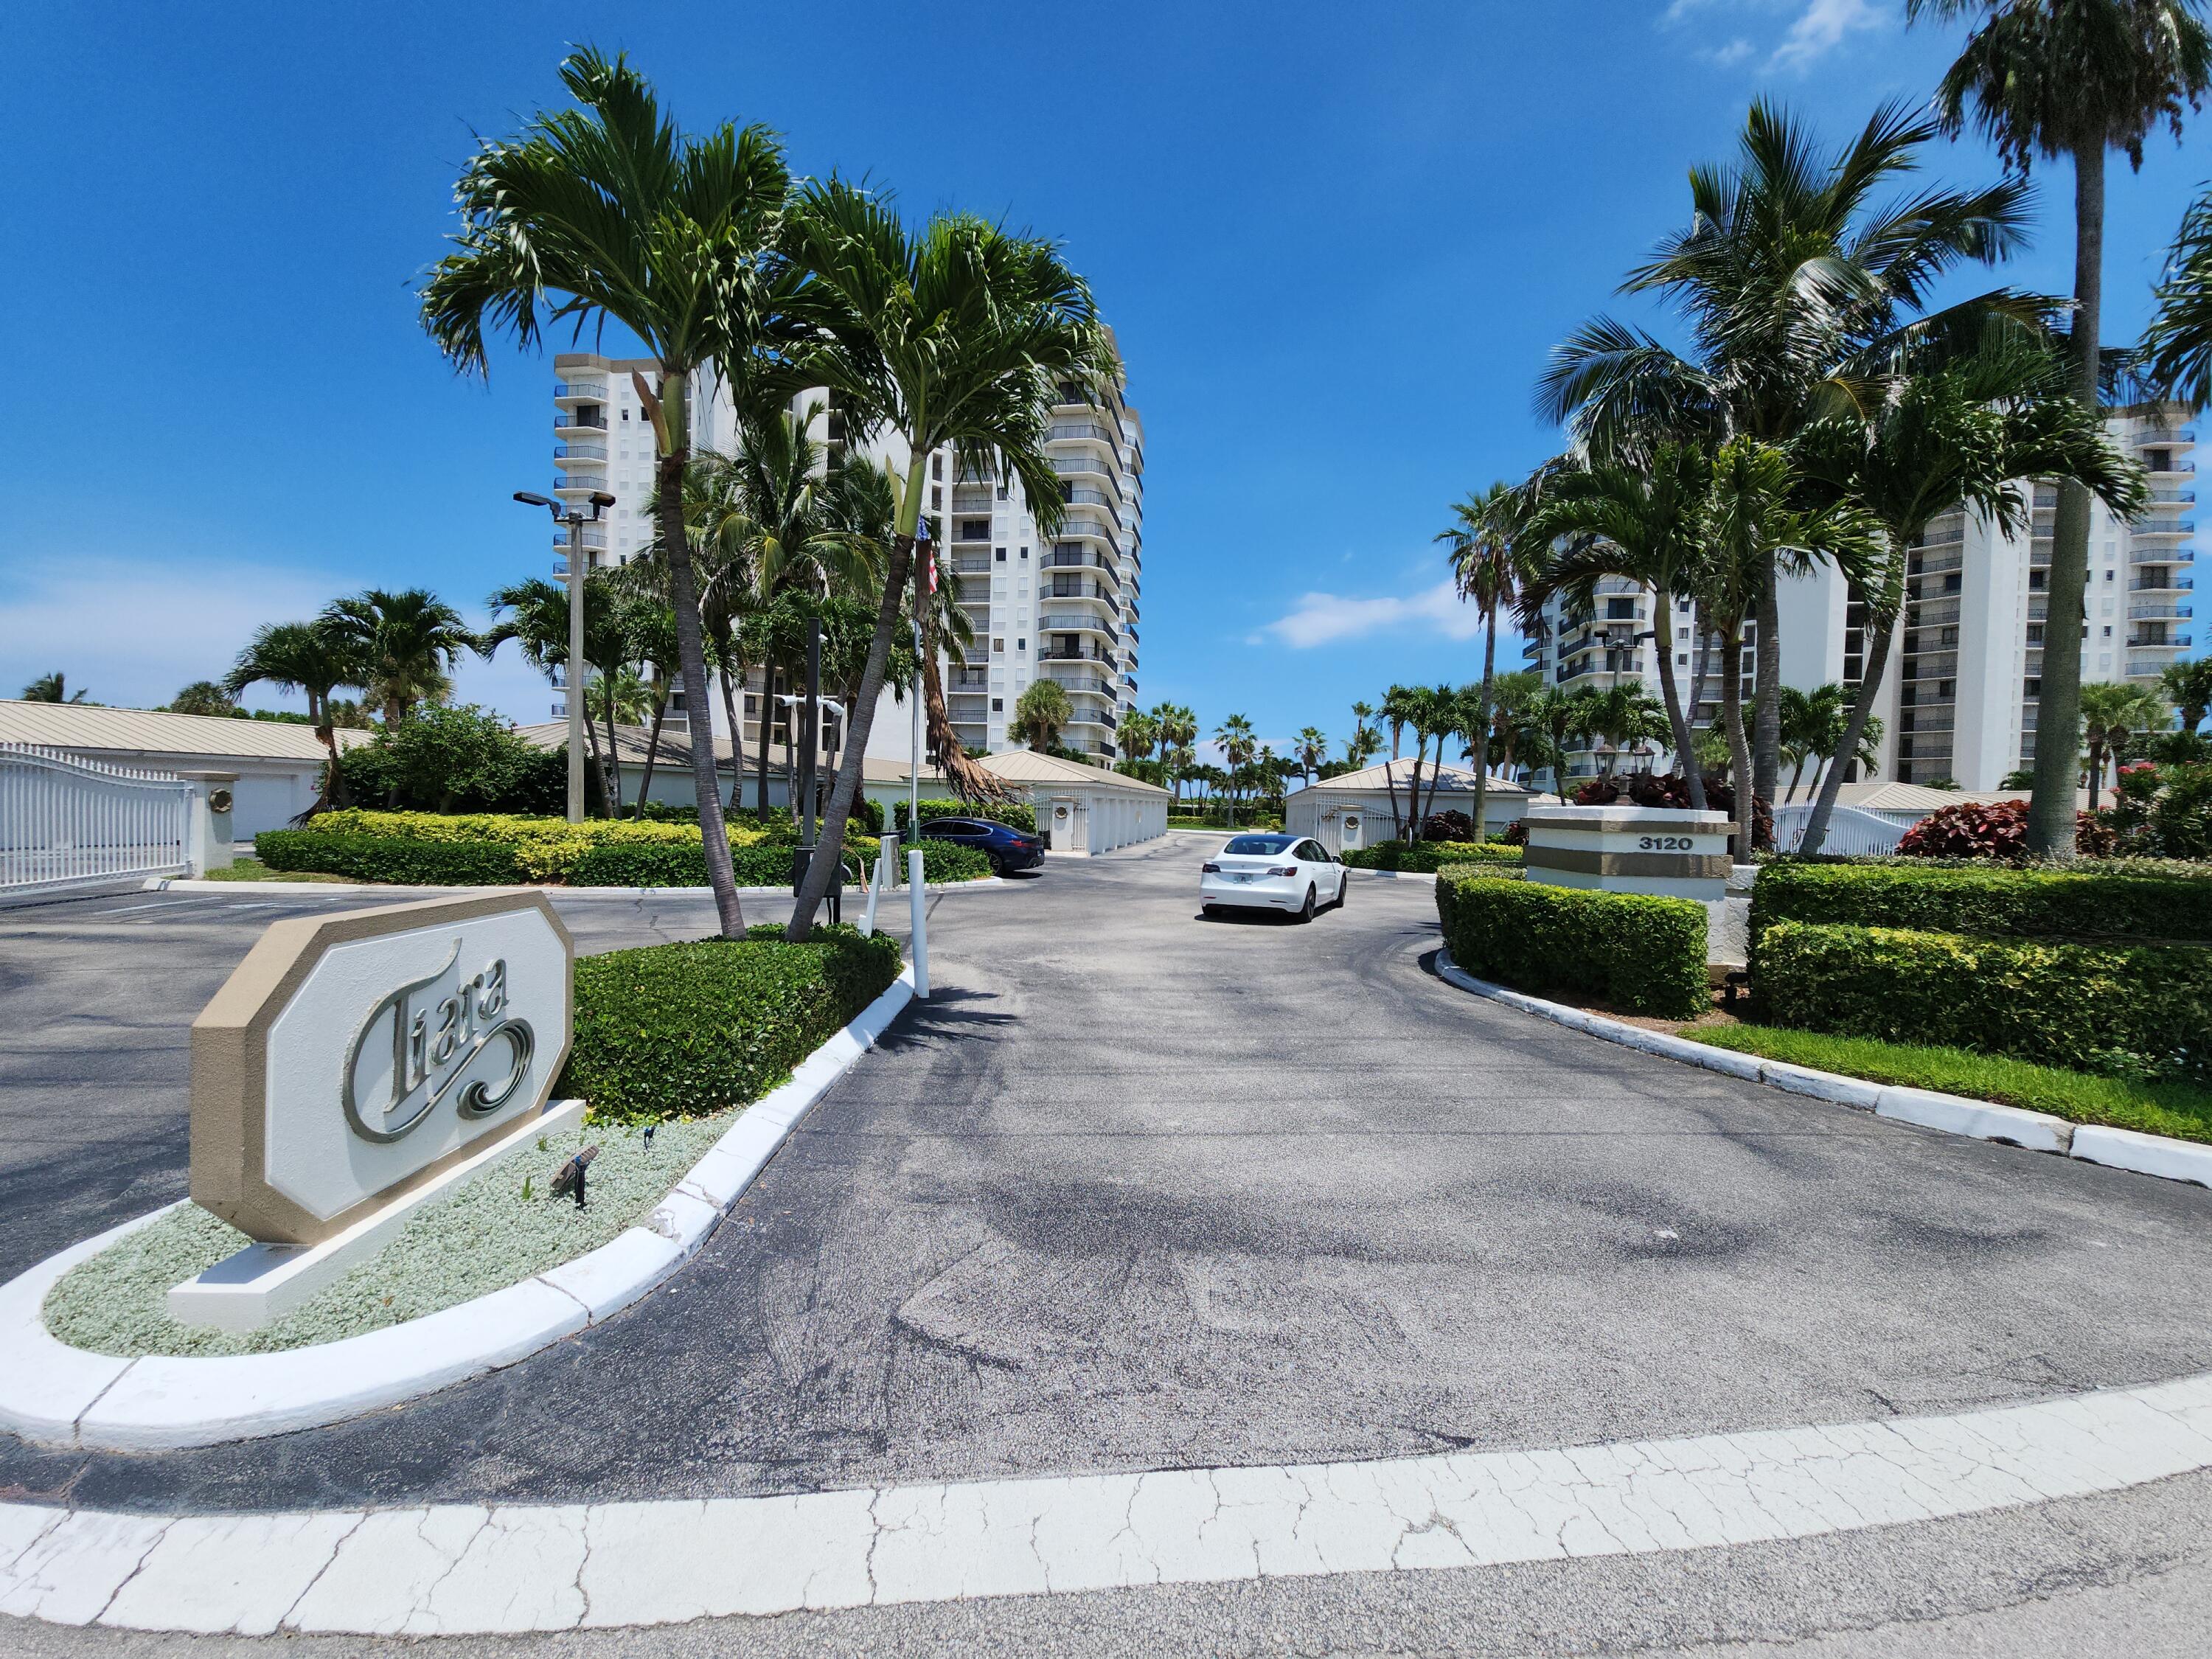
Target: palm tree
1789, 275
2111, 716
51, 688
1752, 524
1040, 712
1311, 752
2071, 78
1235, 739
314, 660
1399, 704
1516, 693
406, 643
203, 697
2177, 347
1960, 433
1361, 746
2188, 686
959, 336
609, 212
1433, 711
1812, 726
534, 614
1495, 554
1648, 524
1178, 730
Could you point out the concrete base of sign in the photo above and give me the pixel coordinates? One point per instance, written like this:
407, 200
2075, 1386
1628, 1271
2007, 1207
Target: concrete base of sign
264, 1282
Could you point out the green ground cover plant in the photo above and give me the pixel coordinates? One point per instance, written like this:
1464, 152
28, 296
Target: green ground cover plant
1426, 856
2117, 1009
495, 1229
2181, 1110
408, 860
1643, 955
674, 1031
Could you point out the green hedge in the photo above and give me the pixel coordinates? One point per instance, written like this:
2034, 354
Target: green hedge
1643, 955
1427, 856
1985, 900
677, 1030
2122, 1010
1014, 814
759, 866
404, 859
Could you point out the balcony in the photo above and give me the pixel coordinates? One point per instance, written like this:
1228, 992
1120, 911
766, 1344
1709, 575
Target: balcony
2149, 667
2177, 438
1074, 587
570, 483
2156, 610
572, 452
2162, 554
2165, 584
592, 538
1075, 654
1079, 558
2173, 496
580, 423
1072, 431
979, 501
971, 564
1935, 564
579, 391
1087, 622
1084, 685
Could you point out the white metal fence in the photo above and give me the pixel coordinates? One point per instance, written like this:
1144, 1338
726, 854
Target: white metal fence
69, 823
1850, 829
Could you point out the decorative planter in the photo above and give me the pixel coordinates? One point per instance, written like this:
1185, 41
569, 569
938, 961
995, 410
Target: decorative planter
1630, 849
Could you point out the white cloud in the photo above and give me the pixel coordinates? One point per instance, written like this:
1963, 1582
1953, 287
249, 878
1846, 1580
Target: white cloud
132, 632
1326, 619
1734, 53
1822, 25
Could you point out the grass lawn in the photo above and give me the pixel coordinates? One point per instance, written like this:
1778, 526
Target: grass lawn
252, 870
2178, 1110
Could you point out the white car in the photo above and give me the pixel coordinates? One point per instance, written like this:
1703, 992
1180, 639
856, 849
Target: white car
1272, 872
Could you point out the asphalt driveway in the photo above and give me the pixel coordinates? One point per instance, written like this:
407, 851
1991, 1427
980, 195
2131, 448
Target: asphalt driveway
1137, 1190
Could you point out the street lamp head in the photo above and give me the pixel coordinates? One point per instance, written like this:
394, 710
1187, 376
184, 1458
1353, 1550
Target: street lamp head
529, 499
600, 498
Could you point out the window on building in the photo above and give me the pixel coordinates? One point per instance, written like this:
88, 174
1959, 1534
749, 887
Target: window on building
998, 705
1620, 609
998, 647
2036, 580
2108, 634
1947, 636
1021, 645
2030, 687
1002, 492
975, 529
1026, 553
1002, 554
2035, 633
937, 466
936, 497
1951, 583
1947, 688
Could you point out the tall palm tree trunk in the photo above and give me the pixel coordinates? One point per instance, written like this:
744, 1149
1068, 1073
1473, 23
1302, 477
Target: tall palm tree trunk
737, 741
766, 726
599, 760
1739, 748
614, 752
1824, 805
671, 414
1482, 719
652, 745
1686, 748
829, 850
1767, 689
2059, 712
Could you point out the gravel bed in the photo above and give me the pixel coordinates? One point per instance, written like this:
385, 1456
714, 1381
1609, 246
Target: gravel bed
482, 1238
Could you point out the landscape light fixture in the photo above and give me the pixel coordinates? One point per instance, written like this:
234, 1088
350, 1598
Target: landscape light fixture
574, 670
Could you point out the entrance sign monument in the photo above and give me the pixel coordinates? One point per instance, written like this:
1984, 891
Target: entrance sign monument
356, 1065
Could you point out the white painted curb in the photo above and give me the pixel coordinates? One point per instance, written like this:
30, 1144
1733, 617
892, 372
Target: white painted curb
457, 1569
1956, 1115
57, 1395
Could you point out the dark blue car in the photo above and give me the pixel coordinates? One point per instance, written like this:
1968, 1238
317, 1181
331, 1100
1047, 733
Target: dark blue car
1007, 849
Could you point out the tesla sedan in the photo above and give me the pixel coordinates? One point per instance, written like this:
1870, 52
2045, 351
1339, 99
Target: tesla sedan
1007, 849
1290, 873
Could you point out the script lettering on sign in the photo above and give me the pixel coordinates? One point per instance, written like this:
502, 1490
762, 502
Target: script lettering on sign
424, 1039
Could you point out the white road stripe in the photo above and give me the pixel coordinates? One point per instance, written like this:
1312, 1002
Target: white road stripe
461, 1568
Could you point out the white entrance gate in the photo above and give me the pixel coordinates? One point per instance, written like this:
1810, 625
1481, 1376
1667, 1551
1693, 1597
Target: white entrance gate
67, 823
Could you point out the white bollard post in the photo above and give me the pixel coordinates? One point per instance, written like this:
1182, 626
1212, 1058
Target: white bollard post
919, 896
878, 881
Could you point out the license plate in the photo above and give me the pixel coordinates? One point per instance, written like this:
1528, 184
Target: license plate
1236, 878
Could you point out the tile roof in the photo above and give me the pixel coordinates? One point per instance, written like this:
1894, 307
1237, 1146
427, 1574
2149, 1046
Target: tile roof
150, 732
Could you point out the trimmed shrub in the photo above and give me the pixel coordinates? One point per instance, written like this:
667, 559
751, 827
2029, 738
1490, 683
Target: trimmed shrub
447, 758
2142, 1010
1423, 857
546, 848
1997, 830
1642, 954
768, 865
402, 859
1014, 814
678, 1030
1984, 899
1450, 824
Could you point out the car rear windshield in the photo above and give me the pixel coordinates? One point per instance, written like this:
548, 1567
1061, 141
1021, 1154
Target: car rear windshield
1258, 844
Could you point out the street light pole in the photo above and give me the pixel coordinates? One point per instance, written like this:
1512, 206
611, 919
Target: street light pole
574, 671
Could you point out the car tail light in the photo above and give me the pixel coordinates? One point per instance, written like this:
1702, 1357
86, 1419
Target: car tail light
1283, 870
1209, 869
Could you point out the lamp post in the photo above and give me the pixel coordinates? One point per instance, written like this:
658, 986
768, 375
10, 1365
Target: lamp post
573, 670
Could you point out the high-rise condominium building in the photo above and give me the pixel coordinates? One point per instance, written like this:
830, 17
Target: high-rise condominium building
1065, 611
1958, 702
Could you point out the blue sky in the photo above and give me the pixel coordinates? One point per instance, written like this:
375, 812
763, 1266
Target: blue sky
1336, 243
